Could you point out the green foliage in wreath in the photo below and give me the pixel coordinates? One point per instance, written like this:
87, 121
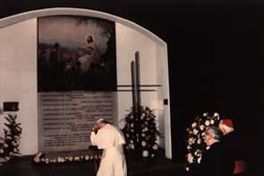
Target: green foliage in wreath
9, 146
141, 132
195, 133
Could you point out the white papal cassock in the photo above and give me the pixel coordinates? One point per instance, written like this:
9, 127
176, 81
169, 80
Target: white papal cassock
111, 140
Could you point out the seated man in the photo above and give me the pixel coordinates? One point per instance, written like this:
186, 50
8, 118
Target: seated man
214, 162
232, 145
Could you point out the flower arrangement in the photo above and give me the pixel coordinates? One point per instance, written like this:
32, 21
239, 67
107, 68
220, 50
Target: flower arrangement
141, 132
10, 146
195, 133
41, 158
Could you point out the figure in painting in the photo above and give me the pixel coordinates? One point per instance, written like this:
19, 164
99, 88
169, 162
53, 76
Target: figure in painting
91, 54
56, 67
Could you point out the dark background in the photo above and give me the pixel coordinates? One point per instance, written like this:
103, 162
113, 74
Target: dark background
215, 53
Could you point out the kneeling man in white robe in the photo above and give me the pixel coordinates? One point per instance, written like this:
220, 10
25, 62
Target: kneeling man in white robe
109, 138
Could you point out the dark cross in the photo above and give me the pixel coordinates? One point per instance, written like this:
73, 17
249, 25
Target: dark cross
136, 98
135, 82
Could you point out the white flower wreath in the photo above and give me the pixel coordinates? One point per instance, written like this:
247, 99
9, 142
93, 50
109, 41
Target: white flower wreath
195, 145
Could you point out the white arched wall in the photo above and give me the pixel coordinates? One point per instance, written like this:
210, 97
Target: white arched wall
18, 78
18, 74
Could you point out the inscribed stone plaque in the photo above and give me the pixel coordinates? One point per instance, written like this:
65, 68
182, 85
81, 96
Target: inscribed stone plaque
65, 119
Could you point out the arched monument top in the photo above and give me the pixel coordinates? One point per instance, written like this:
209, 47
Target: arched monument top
78, 12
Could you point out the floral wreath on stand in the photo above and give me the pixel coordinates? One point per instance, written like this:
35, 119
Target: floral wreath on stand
195, 133
141, 133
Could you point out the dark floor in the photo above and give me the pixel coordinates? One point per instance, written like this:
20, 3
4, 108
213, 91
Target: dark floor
23, 166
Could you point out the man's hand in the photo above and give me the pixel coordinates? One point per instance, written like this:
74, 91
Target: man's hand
95, 128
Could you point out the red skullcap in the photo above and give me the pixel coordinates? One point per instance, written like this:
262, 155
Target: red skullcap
228, 122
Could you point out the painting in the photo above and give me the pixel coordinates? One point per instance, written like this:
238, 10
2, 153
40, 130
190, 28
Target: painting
76, 53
